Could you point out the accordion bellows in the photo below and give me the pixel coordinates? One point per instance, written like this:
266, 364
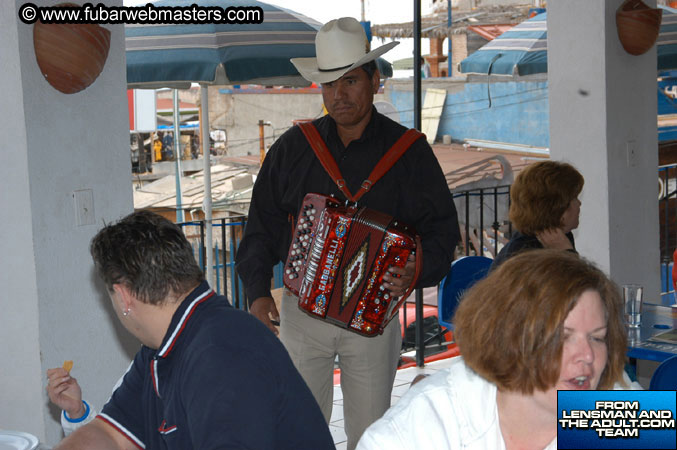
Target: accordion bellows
337, 259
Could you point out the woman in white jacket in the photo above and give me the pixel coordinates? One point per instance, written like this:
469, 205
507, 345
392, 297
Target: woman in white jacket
544, 321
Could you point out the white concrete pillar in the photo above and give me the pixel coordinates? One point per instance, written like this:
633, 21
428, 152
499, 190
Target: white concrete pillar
52, 307
603, 120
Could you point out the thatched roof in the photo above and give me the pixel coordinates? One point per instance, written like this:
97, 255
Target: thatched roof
435, 25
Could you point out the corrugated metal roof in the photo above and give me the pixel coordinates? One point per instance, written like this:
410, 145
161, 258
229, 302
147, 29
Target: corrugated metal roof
435, 25
230, 185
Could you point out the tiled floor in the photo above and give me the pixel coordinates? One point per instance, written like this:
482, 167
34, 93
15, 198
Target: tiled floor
403, 379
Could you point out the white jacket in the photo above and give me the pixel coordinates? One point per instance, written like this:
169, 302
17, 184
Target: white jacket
452, 409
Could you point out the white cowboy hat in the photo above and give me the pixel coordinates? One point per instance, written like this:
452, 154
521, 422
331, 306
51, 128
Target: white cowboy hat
341, 45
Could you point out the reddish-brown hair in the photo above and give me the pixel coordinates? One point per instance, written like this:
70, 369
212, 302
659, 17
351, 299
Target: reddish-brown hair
541, 193
509, 326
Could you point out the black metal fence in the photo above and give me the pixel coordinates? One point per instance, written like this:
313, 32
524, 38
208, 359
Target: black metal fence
667, 210
483, 217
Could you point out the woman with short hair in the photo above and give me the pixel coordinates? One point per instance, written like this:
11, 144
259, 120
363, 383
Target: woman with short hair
544, 208
543, 321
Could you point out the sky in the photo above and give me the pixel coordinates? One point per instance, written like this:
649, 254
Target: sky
376, 11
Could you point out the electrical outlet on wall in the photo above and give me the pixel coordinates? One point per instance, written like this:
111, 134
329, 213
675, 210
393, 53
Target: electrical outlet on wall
84, 207
631, 153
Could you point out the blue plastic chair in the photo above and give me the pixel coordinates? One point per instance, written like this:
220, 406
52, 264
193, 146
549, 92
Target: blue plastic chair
464, 272
665, 376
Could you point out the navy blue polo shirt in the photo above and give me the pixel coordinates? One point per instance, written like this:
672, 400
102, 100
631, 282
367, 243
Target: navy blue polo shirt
220, 379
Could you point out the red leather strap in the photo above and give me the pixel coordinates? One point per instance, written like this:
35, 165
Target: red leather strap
389, 160
385, 163
324, 155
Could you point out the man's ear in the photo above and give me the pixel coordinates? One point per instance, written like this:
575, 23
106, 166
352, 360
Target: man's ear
124, 295
376, 81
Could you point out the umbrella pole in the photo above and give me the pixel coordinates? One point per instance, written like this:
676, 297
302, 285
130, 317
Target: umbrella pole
207, 202
449, 63
417, 64
177, 158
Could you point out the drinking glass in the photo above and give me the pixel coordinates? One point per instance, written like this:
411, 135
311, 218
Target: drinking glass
632, 298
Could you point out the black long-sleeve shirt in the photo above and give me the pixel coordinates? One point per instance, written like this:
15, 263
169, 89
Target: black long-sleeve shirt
414, 191
522, 242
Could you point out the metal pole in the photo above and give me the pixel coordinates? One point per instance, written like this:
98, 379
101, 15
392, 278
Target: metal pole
207, 174
420, 344
420, 339
417, 64
262, 146
449, 63
177, 158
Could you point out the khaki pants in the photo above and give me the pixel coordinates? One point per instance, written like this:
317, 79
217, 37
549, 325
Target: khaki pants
368, 364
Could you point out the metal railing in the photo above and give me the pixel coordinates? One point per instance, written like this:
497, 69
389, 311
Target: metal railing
483, 218
227, 235
475, 207
667, 209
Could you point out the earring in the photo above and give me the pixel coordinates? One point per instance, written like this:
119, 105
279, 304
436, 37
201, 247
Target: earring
125, 312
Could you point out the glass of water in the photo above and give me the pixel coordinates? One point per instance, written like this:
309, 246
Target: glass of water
632, 298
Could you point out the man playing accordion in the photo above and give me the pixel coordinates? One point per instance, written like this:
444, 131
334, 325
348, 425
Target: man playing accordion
413, 190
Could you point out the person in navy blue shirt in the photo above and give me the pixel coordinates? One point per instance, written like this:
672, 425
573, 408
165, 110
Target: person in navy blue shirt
208, 376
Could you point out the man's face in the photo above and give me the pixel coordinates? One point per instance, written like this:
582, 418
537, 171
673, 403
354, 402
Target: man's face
348, 99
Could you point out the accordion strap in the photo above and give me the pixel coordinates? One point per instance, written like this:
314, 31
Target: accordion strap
385, 163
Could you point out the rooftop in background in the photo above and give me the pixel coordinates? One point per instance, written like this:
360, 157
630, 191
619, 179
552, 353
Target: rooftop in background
232, 177
465, 164
435, 25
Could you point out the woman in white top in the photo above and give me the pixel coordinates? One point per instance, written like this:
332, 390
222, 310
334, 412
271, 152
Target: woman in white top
543, 321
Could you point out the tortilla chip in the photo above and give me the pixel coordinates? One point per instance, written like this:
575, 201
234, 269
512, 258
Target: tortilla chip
68, 365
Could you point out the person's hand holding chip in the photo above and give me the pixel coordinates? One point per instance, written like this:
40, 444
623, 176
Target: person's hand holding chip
64, 391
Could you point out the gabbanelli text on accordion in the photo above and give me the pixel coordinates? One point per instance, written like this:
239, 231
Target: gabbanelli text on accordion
337, 259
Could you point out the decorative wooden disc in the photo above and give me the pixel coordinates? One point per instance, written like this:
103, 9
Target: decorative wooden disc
70, 56
637, 26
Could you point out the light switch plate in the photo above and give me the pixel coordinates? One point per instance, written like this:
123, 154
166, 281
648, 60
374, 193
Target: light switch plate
631, 150
84, 207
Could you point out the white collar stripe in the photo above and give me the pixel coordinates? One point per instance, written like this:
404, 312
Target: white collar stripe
156, 382
179, 325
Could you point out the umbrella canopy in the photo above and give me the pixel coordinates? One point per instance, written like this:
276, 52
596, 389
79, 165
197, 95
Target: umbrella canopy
667, 40
523, 50
175, 55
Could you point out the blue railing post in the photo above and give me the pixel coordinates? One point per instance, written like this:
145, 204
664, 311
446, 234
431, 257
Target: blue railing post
216, 263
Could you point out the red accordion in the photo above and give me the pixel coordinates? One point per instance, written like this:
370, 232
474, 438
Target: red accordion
337, 260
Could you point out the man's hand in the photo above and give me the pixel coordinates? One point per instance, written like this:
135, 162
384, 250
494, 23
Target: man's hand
264, 309
554, 238
398, 279
64, 391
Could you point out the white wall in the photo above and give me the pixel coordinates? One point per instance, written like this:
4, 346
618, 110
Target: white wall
603, 101
239, 115
52, 306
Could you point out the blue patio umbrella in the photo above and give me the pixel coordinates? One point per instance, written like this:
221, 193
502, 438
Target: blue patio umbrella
176, 55
171, 55
667, 40
523, 50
